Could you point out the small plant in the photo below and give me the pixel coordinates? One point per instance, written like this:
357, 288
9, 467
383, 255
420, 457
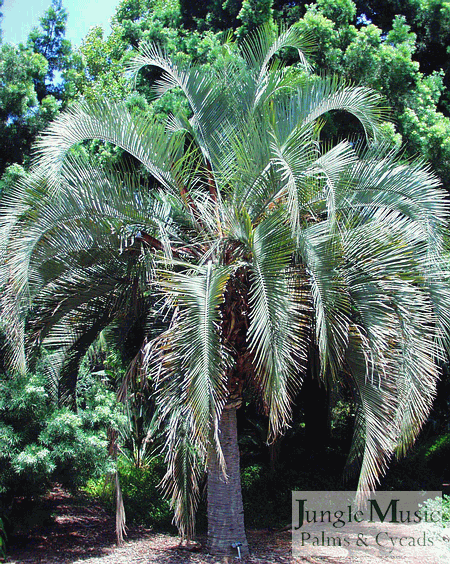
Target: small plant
438, 530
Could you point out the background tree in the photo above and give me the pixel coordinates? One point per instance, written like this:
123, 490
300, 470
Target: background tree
385, 49
392, 47
49, 41
21, 114
1, 19
33, 80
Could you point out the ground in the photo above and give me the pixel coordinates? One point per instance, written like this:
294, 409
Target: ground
72, 530
65, 529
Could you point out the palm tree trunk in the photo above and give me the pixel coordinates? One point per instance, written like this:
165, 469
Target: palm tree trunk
225, 508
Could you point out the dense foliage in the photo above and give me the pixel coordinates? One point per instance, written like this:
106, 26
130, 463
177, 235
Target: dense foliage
141, 493
398, 48
41, 443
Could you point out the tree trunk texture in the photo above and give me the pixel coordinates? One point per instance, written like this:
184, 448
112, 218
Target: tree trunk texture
225, 508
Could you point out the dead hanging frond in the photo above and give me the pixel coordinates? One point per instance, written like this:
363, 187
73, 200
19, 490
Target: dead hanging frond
186, 461
137, 395
135, 377
183, 450
115, 480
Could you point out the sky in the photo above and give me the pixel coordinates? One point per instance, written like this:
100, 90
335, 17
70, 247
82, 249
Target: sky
20, 16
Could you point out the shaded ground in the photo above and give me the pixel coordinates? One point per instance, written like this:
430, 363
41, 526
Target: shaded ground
60, 528
64, 529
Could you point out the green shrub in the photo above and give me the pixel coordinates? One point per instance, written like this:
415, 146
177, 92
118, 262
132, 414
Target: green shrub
33, 465
142, 498
77, 452
438, 451
41, 443
424, 468
266, 497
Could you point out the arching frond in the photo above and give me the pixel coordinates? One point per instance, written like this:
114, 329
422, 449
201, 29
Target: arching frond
206, 101
322, 252
147, 140
376, 432
315, 97
264, 43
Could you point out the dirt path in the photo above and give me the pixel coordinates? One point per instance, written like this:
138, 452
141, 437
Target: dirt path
67, 530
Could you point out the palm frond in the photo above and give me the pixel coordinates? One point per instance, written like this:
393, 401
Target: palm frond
387, 283
183, 449
200, 88
185, 467
317, 96
376, 432
202, 357
147, 140
389, 183
264, 43
322, 252
275, 336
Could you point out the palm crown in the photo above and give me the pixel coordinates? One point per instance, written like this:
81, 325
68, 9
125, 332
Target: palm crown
255, 240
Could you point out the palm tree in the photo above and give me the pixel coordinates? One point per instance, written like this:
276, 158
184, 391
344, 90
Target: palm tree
253, 239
